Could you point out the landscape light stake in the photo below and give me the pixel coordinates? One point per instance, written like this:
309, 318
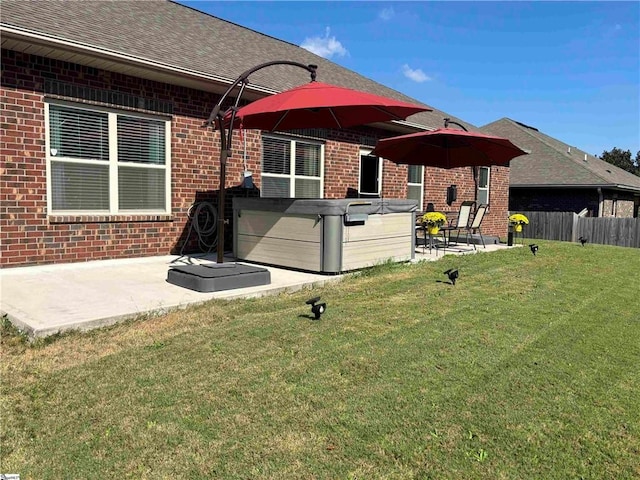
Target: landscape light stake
226, 135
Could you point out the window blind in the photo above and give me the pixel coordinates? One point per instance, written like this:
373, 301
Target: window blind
307, 159
141, 140
80, 134
141, 188
79, 186
276, 156
415, 174
275, 187
483, 181
307, 188
280, 178
86, 175
483, 185
414, 192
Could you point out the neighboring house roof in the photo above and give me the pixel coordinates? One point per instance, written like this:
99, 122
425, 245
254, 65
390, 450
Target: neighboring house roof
176, 44
552, 163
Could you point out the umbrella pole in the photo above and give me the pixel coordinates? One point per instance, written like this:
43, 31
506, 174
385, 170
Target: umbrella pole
225, 145
224, 154
474, 171
225, 140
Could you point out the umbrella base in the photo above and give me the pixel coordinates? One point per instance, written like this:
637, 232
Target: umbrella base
218, 277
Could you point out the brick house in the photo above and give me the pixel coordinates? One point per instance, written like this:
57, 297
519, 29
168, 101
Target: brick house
558, 177
104, 148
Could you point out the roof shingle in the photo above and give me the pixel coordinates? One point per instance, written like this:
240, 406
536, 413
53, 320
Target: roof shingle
173, 34
554, 163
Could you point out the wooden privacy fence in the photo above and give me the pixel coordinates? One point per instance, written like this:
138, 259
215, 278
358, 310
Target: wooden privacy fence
568, 227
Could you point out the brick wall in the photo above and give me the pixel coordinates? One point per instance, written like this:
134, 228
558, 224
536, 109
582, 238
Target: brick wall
619, 204
624, 208
496, 222
28, 235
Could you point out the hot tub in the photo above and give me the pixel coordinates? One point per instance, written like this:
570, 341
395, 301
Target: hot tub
326, 236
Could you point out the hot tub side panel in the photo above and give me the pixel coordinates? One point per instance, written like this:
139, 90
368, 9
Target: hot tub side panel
277, 238
382, 237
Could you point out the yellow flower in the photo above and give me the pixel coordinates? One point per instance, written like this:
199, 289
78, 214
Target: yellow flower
518, 219
434, 219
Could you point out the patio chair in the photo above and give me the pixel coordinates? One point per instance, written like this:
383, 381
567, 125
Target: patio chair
474, 226
464, 214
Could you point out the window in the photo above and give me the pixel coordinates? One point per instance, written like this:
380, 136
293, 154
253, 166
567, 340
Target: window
291, 168
370, 173
415, 184
102, 161
483, 185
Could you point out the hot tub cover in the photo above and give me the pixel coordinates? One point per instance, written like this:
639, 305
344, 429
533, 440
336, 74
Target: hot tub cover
319, 206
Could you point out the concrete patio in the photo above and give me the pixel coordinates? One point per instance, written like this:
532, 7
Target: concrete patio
43, 300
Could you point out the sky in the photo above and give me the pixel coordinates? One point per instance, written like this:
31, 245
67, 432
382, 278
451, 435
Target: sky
569, 69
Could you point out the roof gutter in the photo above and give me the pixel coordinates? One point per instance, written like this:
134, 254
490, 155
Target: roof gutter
403, 126
612, 186
53, 41
417, 126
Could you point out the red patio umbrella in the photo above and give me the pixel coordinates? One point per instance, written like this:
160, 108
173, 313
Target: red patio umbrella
312, 105
448, 148
321, 105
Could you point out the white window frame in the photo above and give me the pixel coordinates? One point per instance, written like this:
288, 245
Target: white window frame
421, 184
112, 162
487, 188
291, 176
363, 153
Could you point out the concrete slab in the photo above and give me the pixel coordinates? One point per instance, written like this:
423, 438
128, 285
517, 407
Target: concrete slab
43, 300
46, 299
438, 252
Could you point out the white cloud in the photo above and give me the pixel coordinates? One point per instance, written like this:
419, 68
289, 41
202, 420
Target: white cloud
326, 46
386, 14
415, 75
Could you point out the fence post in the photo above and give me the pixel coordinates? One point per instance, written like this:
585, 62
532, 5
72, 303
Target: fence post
574, 228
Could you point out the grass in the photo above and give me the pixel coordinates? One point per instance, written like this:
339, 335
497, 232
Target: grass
527, 368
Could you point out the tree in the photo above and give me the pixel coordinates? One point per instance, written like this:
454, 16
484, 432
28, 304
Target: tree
622, 159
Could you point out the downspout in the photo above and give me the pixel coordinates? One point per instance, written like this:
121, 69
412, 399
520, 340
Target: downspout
600, 202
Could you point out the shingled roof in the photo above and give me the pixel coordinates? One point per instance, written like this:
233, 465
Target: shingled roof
177, 42
553, 163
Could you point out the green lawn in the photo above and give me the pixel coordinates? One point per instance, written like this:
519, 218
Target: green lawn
528, 368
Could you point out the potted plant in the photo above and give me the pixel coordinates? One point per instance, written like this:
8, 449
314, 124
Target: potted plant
433, 221
517, 220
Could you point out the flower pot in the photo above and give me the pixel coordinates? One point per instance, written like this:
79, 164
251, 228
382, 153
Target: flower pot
433, 230
517, 228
